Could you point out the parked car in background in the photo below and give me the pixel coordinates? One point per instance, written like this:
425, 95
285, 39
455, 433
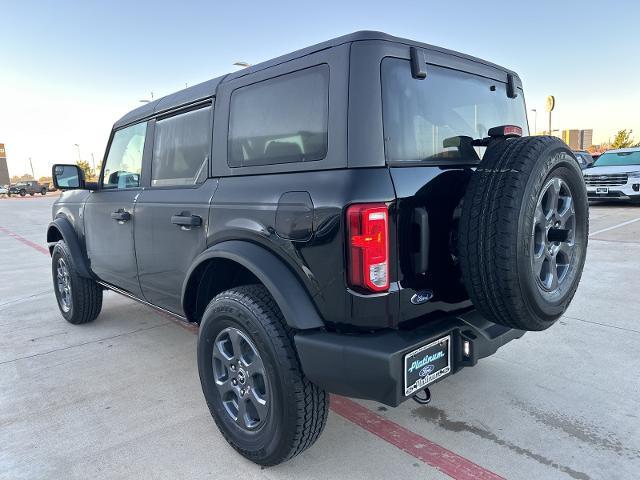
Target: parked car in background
615, 176
4, 190
584, 158
30, 186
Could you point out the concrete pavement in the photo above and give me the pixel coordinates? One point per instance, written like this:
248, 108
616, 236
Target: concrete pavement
120, 397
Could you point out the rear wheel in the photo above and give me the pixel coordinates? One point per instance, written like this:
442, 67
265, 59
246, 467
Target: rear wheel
43, 191
79, 298
23, 192
523, 232
252, 381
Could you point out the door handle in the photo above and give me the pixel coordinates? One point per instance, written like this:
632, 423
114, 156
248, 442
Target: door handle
186, 220
121, 216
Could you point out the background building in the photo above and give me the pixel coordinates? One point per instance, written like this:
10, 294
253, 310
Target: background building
578, 139
4, 169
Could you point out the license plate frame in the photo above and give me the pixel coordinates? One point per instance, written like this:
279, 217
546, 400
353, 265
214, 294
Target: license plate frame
425, 365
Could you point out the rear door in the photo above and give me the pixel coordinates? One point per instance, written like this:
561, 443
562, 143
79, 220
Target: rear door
172, 212
109, 211
428, 126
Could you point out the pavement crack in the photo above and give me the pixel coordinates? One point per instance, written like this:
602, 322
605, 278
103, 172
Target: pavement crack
85, 343
602, 324
439, 417
16, 300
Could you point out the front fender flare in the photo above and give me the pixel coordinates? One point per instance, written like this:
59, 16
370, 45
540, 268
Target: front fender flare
68, 233
287, 290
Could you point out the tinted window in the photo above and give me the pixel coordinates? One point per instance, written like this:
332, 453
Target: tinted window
419, 115
124, 162
181, 148
280, 120
610, 159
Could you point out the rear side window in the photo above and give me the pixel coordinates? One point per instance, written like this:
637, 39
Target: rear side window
422, 117
280, 120
181, 148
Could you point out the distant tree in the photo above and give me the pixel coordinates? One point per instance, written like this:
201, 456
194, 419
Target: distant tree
21, 178
86, 168
44, 180
623, 139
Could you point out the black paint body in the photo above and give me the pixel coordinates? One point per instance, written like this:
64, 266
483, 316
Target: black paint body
294, 212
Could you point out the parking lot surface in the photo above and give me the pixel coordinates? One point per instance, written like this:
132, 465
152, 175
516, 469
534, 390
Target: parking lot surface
120, 397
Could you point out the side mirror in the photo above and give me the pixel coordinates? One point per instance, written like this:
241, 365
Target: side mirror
67, 177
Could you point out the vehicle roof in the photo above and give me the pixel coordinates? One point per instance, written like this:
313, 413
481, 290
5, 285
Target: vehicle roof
623, 150
208, 88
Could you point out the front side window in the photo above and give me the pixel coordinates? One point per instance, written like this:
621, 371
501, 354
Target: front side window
124, 162
422, 118
181, 148
280, 120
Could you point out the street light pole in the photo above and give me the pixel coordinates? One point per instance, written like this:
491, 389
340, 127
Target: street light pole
77, 145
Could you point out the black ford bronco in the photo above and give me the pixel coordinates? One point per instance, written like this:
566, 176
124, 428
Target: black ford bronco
362, 217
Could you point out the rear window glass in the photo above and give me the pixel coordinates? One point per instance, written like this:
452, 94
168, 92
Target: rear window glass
280, 120
422, 116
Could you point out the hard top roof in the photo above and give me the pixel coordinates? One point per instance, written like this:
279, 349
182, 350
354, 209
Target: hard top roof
208, 88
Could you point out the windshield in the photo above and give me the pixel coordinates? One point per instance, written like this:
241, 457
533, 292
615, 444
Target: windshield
609, 159
420, 114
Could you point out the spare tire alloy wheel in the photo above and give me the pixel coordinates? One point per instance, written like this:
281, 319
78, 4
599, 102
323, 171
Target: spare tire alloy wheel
553, 245
523, 232
240, 378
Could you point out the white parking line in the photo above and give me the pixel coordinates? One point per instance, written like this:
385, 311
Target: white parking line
614, 227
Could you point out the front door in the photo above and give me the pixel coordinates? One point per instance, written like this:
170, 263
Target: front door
109, 215
172, 212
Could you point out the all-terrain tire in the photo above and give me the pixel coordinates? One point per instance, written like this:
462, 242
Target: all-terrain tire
297, 409
505, 229
85, 301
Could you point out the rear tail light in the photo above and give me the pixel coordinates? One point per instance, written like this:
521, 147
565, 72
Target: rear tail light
505, 131
368, 240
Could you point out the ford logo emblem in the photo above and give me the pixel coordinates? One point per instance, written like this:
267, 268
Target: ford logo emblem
421, 297
426, 370
603, 177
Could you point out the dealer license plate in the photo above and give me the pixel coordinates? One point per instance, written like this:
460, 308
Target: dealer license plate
427, 364
603, 190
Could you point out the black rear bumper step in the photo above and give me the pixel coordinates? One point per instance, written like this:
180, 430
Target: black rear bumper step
370, 366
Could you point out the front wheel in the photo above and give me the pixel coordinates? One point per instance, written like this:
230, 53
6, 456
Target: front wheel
79, 298
252, 380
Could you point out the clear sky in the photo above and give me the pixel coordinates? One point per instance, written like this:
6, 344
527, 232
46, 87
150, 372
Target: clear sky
69, 69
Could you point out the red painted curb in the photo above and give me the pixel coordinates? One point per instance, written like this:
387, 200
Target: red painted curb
410, 442
446, 461
20, 238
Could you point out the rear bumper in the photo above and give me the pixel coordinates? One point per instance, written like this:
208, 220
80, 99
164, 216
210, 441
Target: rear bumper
370, 366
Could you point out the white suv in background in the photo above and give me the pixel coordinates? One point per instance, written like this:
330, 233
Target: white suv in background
615, 176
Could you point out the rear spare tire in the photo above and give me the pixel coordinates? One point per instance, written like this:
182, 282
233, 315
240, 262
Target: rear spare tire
523, 232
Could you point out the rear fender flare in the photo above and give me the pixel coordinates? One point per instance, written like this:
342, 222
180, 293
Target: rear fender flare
287, 290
